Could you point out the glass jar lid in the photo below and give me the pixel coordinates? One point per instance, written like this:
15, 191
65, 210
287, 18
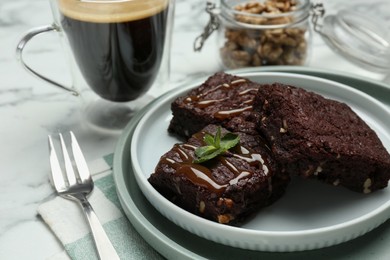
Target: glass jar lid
358, 38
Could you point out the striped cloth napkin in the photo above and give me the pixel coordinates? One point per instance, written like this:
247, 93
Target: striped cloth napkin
66, 219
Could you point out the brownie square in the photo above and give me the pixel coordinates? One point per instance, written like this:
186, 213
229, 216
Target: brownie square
315, 137
225, 189
221, 98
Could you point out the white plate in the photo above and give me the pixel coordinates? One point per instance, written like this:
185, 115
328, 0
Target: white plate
311, 214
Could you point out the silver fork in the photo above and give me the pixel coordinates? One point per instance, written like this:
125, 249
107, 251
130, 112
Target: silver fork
78, 187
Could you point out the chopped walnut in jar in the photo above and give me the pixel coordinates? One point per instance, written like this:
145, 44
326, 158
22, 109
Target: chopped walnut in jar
245, 47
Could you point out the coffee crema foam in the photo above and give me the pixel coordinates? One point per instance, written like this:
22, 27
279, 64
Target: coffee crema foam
113, 11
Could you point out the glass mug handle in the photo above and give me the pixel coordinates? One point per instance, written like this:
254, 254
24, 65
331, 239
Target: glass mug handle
19, 54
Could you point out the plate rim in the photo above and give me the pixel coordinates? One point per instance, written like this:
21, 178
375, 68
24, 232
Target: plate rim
305, 70
133, 213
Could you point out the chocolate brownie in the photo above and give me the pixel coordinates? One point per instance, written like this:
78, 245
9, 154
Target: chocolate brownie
225, 189
221, 98
321, 138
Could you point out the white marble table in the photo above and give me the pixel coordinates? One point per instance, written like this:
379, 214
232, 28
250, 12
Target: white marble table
31, 109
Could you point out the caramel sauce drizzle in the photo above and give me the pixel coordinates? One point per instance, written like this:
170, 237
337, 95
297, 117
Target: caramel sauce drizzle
200, 175
225, 114
246, 91
198, 97
238, 81
199, 102
206, 103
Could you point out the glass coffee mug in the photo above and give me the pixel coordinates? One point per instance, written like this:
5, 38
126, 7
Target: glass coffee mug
120, 47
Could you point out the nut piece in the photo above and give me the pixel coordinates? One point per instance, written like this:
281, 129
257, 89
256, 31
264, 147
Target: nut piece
367, 185
225, 218
202, 206
318, 170
283, 129
258, 47
225, 202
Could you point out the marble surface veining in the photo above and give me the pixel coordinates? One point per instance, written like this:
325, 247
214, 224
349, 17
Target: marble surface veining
31, 109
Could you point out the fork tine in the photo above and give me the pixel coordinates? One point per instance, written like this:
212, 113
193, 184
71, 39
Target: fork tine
82, 166
57, 177
70, 174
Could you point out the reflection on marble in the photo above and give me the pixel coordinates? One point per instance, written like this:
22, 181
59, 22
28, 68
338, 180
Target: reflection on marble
31, 109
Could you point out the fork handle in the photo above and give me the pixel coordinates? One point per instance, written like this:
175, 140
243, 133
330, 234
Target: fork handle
103, 245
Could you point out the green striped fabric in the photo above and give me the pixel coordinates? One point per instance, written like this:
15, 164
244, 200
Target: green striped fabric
65, 218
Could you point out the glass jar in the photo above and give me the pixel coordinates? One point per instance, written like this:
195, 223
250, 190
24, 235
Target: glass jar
260, 33
278, 32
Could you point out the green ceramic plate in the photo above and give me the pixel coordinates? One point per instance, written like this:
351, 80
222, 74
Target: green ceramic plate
172, 241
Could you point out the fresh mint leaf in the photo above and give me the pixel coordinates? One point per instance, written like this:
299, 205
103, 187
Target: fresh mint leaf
209, 139
208, 156
217, 138
205, 150
229, 141
215, 145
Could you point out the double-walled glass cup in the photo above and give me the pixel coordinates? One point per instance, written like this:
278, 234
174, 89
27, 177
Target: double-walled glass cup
119, 49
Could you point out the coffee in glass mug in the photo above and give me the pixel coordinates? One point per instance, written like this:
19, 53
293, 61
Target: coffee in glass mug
118, 46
